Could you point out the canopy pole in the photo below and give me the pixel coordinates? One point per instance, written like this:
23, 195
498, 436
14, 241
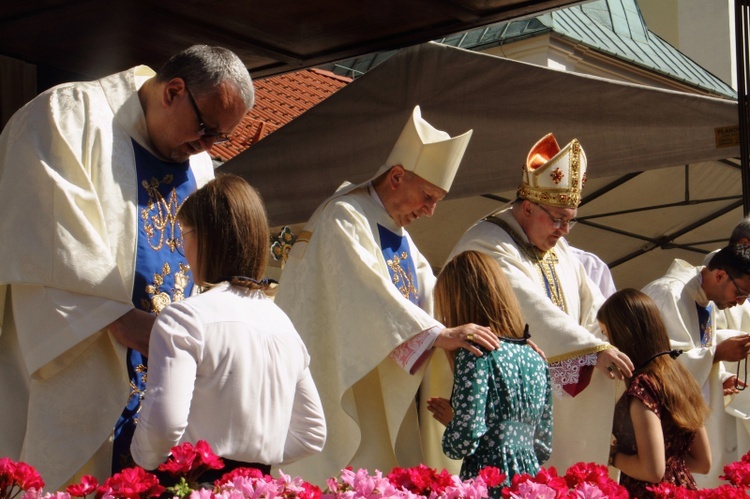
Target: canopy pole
742, 39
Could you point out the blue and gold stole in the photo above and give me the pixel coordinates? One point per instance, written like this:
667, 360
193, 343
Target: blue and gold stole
162, 275
400, 264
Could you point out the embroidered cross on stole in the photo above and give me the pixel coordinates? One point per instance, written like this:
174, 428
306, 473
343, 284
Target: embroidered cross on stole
545, 263
400, 264
705, 324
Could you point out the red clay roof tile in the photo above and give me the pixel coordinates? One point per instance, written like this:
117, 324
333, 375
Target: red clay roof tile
278, 100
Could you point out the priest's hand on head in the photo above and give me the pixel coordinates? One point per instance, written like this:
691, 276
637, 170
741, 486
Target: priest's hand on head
614, 363
467, 336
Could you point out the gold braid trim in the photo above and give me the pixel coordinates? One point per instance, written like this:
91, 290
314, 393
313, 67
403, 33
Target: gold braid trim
578, 353
304, 236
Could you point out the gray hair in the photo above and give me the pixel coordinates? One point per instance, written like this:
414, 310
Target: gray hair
741, 230
203, 68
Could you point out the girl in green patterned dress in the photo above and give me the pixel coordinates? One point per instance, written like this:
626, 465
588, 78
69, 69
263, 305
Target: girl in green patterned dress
502, 402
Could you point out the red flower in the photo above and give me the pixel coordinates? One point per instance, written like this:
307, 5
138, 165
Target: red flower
492, 476
7, 474
206, 456
420, 479
87, 486
587, 472
180, 461
239, 472
721, 492
665, 490
131, 483
19, 474
738, 473
311, 491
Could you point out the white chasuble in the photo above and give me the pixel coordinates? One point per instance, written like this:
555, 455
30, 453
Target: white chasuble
68, 199
339, 291
678, 295
559, 302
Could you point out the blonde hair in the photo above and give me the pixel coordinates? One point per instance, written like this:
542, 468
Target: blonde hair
473, 288
635, 326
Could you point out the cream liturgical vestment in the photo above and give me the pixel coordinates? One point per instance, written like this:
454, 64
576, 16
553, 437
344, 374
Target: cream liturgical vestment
349, 303
68, 199
678, 295
565, 329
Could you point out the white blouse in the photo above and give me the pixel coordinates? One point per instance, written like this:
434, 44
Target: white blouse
228, 367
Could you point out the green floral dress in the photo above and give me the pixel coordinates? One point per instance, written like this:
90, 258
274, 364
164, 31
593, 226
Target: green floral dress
502, 411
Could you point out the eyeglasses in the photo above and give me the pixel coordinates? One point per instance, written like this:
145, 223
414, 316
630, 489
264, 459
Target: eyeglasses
558, 223
180, 246
741, 295
217, 137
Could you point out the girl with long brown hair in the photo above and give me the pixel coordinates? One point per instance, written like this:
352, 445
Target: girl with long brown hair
658, 422
502, 401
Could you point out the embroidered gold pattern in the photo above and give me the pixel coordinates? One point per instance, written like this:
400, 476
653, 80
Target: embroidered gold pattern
137, 392
402, 279
160, 214
557, 175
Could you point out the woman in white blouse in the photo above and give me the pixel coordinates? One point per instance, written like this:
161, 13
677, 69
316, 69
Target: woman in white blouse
227, 366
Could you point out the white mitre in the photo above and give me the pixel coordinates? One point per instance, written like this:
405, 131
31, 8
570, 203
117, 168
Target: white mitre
554, 176
428, 152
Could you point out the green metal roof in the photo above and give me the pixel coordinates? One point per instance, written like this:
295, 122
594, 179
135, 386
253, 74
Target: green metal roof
613, 27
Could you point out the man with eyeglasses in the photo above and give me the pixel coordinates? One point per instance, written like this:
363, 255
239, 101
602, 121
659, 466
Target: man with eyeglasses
558, 300
693, 301
91, 177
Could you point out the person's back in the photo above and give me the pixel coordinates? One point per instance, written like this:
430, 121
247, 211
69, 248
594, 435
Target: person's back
240, 376
227, 365
677, 440
505, 397
658, 424
502, 400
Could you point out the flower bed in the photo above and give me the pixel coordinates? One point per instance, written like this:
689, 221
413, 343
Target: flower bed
18, 480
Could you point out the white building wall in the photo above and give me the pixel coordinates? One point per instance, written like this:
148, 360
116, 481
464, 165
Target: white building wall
701, 29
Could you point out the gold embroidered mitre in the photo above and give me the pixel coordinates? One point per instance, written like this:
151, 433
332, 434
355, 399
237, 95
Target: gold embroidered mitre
428, 152
554, 176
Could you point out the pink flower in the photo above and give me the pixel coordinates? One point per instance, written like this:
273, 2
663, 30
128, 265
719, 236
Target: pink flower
533, 490
87, 486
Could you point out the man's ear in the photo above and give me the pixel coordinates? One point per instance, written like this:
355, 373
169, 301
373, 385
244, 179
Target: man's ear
173, 88
396, 176
526, 207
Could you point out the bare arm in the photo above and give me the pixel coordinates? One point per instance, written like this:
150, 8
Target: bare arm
698, 459
648, 464
133, 329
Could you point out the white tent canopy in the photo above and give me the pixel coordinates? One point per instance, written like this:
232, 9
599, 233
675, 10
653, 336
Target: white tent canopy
624, 128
